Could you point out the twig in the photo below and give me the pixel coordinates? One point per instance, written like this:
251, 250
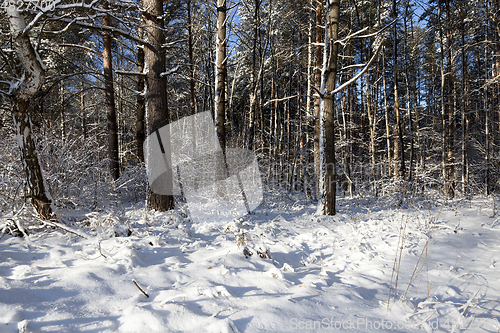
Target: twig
458, 255
395, 266
58, 225
281, 99
52, 223
82, 47
101, 251
142, 291
426, 246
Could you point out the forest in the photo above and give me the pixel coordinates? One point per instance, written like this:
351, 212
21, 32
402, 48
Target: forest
403, 98
340, 108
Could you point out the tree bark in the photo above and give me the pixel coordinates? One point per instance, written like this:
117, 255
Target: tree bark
465, 118
83, 113
34, 76
107, 62
450, 96
192, 101
319, 60
387, 121
220, 76
399, 156
253, 77
156, 88
327, 111
373, 127
139, 124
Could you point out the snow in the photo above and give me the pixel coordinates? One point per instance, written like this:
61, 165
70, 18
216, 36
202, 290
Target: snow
287, 270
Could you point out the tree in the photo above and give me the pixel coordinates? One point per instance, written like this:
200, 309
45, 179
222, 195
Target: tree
221, 73
107, 62
22, 90
399, 170
317, 76
140, 112
156, 88
328, 180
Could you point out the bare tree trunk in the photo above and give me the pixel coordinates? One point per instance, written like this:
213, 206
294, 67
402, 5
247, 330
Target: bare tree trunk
83, 113
309, 109
465, 119
451, 106
487, 103
139, 123
409, 84
415, 90
62, 121
399, 170
220, 76
192, 102
387, 121
253, 78
496, 72
156, 87
319, 60
327, 111
488, 149
373, 127
107, 63
349, 125
443, 104
34, 76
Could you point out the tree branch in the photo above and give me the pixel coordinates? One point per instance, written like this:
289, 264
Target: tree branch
354, 79
81, 47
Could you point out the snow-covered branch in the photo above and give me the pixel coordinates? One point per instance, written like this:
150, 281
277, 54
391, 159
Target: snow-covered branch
130, 73
346, 39
81, 47
34, 69
94, 27
169, 72
279, 99
355, 78
166, 45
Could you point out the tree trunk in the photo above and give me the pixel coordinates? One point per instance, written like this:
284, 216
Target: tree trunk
349, 134
328, 183
443, 105
309, 110
83, 113
192, 102
253, 77
409, 84
139, 124
34, 75
387, 121
107, 63
319, 60
399, 156
450, 96
373, 127
220, 76
156, 88
465, 119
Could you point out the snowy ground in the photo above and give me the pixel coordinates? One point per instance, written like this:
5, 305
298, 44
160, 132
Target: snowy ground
289, 270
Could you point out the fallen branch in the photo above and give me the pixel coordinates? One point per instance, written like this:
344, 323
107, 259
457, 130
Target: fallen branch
63, 227
142, 291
